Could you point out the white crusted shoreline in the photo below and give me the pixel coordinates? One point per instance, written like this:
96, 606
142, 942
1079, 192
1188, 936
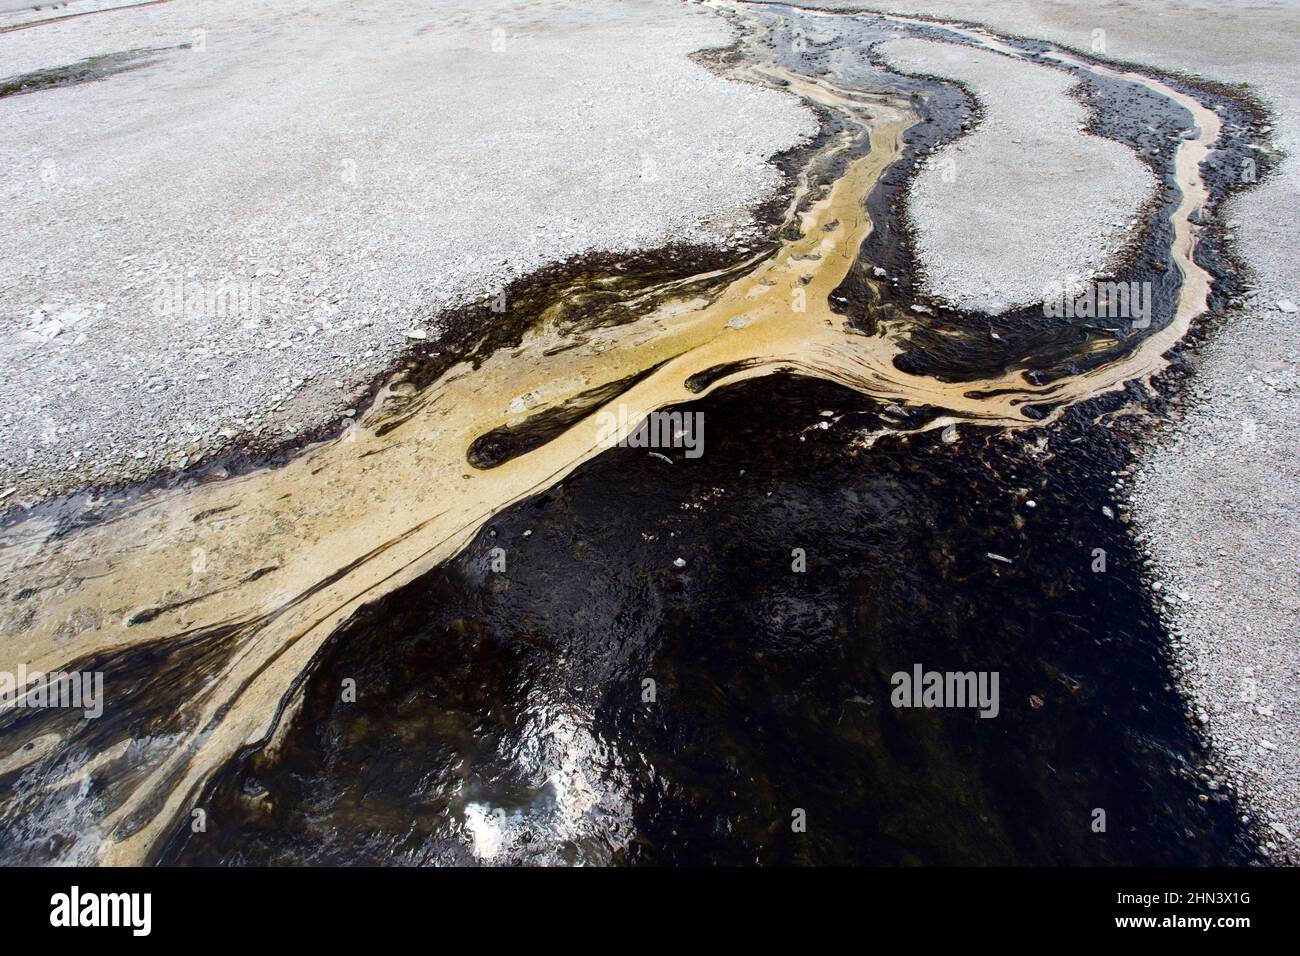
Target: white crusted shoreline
1216, 502
308, 184
1025, 201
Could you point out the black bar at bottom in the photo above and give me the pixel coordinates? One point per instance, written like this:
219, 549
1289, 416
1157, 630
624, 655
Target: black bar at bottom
333, 906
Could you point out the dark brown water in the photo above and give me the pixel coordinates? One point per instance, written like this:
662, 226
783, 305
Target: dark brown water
500, 716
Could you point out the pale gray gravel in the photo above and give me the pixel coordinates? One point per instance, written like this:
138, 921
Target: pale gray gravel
25, 11
318, 178
1216, 502
1027, 201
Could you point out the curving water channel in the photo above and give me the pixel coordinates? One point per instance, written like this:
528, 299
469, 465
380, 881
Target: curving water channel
226, 614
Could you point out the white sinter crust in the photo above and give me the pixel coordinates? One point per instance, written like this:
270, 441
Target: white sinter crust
356, 167
1025, 201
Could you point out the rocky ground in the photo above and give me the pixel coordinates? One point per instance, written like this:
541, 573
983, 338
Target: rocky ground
234, 238
1025, 201
1216, 501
